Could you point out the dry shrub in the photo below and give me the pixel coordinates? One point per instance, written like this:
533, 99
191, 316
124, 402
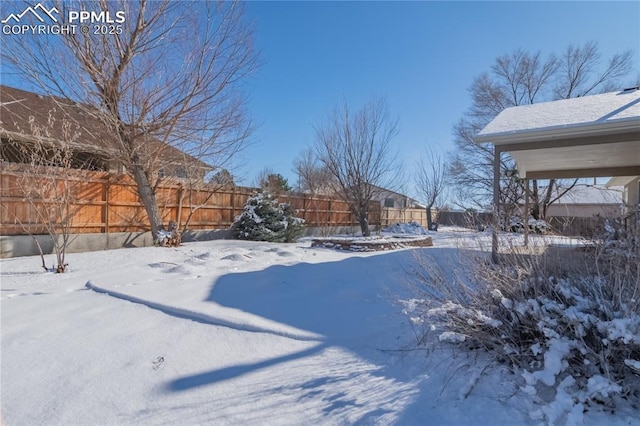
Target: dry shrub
566, 320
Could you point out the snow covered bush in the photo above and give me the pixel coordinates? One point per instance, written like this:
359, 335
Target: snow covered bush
538, 226
264, 219
172, 238
572, 335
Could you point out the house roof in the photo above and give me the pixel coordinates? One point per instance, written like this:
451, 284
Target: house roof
620, 181
616, 110
20, 108
380, 189
590, 136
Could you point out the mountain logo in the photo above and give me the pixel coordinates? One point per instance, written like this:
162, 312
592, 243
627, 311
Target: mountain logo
38, 11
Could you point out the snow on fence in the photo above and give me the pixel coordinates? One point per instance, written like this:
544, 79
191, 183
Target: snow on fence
104, 202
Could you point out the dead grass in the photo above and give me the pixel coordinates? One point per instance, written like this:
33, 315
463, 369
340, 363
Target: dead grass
516, 311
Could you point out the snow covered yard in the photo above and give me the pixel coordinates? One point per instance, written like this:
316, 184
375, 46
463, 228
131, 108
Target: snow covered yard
237, 332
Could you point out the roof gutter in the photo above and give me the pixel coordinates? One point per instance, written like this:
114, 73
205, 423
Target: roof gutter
622, 125
21, 137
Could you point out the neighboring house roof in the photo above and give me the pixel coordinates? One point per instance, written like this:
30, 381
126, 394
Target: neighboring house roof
389, 191
18, 108
380, 189
592, 195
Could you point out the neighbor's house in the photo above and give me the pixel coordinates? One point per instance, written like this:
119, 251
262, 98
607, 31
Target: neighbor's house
630, 191
589, 201
27, 118
386, 197
395, 200
400, 208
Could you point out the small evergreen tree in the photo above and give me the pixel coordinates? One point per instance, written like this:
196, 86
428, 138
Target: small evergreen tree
264, 219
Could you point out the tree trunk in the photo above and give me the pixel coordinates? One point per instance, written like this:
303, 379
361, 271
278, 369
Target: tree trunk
429, 222
535, 208
547, 199
360, 213
148, 197
364, 225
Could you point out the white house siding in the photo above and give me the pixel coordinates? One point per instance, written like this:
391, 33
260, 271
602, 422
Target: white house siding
584, 210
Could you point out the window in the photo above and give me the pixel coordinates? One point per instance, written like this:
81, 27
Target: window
389, 202
181, 173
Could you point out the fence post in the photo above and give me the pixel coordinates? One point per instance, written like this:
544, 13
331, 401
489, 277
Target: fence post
304, 207
107, 195
179, 206
233, 203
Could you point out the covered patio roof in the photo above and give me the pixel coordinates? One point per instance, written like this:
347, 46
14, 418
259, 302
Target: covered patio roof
591, 136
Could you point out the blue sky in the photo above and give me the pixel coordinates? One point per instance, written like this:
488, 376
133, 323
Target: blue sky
421, 56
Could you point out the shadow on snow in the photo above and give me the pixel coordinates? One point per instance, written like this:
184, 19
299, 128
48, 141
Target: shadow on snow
351, 303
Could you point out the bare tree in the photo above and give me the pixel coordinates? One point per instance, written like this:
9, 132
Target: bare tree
355, 147
167, 85
49, 180
262, 175
313, 177
581, 72
431, 180
518, 79
471, 172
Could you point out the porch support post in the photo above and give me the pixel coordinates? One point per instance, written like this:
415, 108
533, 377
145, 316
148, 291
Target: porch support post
496, 203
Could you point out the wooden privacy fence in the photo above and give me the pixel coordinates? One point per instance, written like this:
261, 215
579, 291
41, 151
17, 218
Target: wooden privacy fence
391, 216
577, 226
570, 226
471, 220
328, 211
102, 202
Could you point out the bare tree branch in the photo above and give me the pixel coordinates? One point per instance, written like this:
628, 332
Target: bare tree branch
170, 96
313, 177
49, 179
580, 72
